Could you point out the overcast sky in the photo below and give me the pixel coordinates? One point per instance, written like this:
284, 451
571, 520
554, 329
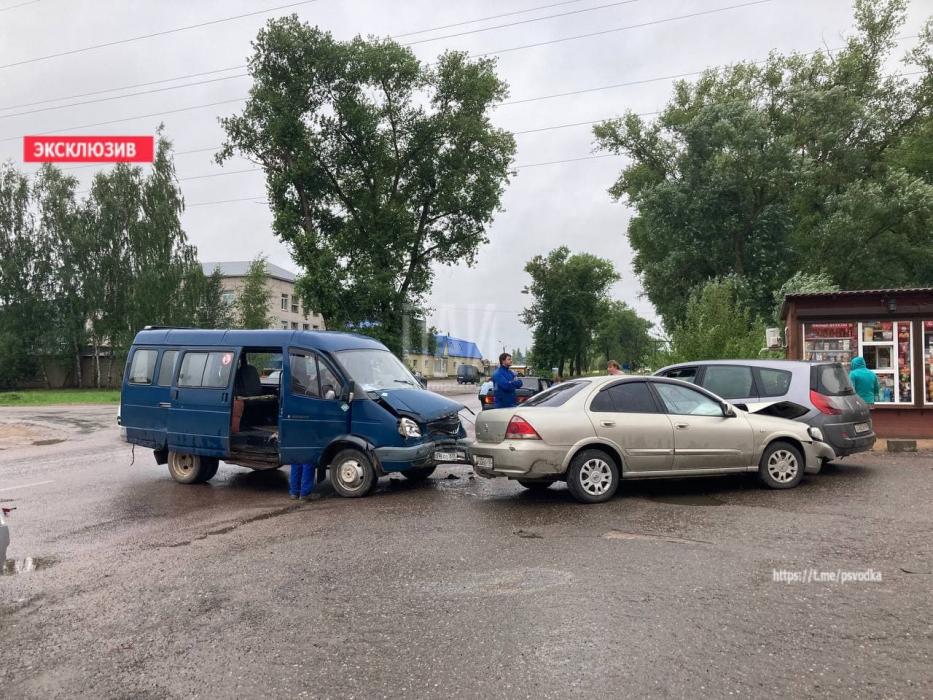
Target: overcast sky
544, 207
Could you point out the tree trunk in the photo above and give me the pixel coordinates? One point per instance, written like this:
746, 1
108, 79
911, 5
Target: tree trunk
79, 380
96, 364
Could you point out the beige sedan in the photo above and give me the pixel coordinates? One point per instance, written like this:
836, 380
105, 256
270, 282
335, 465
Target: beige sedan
593, 432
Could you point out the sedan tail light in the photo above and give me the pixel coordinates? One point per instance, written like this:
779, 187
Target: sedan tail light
823, 404
489, 399
520, 429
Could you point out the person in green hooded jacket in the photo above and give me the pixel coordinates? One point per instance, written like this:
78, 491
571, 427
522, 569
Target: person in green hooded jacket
864, 381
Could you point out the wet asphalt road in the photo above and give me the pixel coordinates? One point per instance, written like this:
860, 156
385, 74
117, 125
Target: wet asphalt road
460, 587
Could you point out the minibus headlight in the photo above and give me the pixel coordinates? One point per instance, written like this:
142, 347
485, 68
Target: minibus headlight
408, 428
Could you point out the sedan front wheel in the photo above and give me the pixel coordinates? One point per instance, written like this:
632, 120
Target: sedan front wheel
781, 466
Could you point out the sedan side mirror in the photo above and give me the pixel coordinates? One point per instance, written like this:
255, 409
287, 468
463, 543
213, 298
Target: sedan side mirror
728, 411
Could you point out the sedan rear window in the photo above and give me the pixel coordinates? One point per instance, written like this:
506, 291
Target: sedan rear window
830, 380
557, 395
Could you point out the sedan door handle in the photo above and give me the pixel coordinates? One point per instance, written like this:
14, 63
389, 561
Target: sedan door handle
682, 426
165, 404
607, 423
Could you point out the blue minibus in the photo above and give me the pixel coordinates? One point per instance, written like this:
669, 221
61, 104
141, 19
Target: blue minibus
341, 401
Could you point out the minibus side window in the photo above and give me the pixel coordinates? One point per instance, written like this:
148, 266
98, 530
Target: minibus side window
330, 384
143, 368
304, 379
205, 369
312, 377
167, 368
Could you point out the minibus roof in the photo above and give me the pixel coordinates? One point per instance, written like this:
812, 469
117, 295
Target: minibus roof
329, 341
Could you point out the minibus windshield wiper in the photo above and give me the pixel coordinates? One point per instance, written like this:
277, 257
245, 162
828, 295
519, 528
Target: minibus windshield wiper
404, 381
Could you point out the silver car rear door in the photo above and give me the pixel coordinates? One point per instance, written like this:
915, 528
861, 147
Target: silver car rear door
628, 414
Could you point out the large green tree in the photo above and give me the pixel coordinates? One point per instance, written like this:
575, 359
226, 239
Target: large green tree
253, 301
624, 336
378, 166
716, 325
803, 162
21, 278
139, 254
569, 292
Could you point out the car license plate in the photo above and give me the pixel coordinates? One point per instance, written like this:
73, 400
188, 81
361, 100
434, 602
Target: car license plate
483, 462
862, 427
444, 456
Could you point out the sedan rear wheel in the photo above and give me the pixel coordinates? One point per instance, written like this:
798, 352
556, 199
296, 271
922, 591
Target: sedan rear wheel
781, 466
593, 476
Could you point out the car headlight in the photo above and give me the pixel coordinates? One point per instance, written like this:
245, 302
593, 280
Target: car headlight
408, 428
816, 434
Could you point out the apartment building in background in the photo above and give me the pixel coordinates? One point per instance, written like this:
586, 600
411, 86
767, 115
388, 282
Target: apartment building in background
285, 308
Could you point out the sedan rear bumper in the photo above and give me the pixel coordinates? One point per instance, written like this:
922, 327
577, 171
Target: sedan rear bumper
517, 459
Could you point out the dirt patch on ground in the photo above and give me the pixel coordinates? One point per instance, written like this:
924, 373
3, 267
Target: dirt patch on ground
18, 434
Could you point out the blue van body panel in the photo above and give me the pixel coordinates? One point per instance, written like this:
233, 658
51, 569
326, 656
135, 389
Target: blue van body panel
327, 341
425, 404
145, 409
197, 420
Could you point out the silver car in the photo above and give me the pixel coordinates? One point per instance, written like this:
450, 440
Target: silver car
593, 432
815, 393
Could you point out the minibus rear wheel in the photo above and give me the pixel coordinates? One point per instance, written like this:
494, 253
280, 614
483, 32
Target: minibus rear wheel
352, 474
191, 469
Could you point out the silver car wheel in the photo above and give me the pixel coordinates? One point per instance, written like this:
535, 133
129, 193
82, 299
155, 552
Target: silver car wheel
783, 466
351, 475
595, 477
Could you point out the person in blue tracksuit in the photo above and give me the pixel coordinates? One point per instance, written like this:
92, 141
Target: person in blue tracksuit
505, 383
301, 482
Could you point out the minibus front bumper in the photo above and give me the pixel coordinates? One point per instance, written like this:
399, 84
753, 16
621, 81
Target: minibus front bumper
424, 454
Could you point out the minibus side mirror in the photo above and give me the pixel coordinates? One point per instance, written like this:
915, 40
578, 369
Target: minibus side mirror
351, 391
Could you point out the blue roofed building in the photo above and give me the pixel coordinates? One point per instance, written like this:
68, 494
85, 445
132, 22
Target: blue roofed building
451, 352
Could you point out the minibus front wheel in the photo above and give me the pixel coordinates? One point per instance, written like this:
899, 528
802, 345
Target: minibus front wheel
352, 474
191, 469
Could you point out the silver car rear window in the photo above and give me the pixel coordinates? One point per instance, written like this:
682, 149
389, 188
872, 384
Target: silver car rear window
557, 395
831, 380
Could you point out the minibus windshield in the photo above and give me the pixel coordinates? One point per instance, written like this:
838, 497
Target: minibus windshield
373, 370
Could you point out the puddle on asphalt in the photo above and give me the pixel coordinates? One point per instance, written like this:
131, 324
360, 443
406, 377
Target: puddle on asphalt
12, 567
620, 535
509, 582
687, 500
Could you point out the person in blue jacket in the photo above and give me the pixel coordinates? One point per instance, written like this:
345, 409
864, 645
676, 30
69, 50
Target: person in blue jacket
864, 381
505, 383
